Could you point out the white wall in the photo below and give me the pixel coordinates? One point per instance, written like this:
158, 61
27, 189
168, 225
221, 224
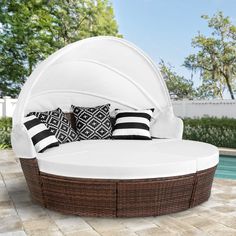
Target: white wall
185, 108
7, 106
200, 108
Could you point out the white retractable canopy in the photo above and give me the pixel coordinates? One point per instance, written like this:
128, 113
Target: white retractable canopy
91, 72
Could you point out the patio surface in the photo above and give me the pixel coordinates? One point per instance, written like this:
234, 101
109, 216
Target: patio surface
19, 216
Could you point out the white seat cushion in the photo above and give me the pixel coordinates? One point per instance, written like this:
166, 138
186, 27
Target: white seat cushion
128, 159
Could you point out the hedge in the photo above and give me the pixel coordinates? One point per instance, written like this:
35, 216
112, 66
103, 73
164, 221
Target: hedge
5, 131
220, 132
217, 131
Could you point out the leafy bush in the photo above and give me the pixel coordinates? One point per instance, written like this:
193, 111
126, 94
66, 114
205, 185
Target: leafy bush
5, 131
217, 131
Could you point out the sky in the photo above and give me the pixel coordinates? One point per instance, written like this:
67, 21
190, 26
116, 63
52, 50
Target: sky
164, 28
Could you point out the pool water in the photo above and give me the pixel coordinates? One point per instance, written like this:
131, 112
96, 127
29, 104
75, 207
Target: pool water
226, 168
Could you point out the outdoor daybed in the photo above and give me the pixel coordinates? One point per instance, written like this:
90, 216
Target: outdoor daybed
116, 178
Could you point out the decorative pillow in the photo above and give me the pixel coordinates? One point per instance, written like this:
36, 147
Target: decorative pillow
41, 136
93, 122
132, 124
58, 124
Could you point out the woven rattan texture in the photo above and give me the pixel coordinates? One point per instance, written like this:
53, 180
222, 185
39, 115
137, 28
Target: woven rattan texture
202, 186
117, 198
80, 196
33, 179
70, 116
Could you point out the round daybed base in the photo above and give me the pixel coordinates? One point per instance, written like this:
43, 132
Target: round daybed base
117, 198
110, 178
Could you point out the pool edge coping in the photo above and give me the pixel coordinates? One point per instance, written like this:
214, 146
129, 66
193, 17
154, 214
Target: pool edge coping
227, 151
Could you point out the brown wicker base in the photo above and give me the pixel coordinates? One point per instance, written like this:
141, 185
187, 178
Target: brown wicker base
117, 198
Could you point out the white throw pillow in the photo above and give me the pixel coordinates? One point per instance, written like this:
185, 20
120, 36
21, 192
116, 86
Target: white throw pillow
40, 135
132, 124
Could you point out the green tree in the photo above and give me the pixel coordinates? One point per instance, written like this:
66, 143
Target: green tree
178, 86
31, 30
208, 90
216, 56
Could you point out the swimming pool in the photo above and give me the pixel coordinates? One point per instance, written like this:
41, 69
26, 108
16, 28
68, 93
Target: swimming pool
226, 168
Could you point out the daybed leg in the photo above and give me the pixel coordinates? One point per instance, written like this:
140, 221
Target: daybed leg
32, 175
202, 186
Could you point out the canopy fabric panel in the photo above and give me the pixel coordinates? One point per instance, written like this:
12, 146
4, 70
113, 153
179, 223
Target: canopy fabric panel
92, 72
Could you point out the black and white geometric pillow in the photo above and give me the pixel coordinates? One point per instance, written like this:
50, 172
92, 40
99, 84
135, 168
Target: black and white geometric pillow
40, 135
132, 124
93, 122
58, 124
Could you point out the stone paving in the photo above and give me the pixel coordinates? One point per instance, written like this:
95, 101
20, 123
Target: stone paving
19, 216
